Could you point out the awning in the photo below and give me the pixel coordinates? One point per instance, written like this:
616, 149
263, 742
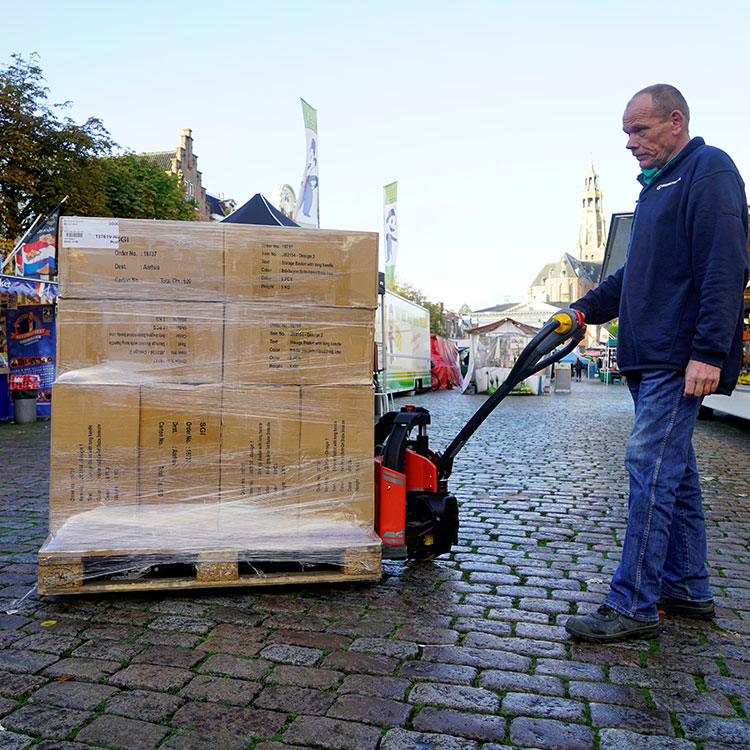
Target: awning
571, 357
29, 287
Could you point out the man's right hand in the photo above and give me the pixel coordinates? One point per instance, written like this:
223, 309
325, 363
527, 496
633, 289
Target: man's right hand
701, 379
577, 318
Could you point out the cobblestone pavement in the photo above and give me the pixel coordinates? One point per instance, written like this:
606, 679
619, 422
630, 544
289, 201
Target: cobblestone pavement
463, 653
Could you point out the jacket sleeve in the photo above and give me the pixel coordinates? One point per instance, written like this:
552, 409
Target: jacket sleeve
717, 230
601, 304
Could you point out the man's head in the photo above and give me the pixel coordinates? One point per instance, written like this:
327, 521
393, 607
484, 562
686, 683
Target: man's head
656, 122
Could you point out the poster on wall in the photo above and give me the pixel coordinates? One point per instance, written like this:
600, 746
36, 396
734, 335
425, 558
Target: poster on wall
30, 332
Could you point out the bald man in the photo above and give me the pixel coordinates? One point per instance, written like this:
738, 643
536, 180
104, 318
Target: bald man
680, 303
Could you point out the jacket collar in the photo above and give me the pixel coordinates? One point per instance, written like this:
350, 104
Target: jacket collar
691, 146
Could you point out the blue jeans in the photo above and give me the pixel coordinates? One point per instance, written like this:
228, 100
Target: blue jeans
665, 541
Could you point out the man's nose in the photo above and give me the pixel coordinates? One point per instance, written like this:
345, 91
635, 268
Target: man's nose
631, 145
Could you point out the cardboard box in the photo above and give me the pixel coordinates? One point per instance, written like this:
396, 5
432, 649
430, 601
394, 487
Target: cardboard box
286, 345
336, 452
175, 342
141, 259
301, 267
93, 448
180, 438
260, 446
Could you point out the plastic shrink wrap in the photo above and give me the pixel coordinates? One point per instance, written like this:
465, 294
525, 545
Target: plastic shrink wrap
212, 418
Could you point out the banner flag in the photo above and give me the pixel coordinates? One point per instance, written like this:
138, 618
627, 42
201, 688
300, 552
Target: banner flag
390, 219
37, 254
307, 211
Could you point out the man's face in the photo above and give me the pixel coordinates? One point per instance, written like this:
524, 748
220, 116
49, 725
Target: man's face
651, 139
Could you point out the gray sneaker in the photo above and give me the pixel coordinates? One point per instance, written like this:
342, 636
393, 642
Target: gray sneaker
606, 625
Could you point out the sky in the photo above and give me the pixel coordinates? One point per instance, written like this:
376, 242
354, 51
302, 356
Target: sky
486, 113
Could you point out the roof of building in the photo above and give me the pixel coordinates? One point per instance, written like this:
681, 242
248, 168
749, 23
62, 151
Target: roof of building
496, 308
162, 158
544, 274
215, 205
574, 268
506, 323
584, 269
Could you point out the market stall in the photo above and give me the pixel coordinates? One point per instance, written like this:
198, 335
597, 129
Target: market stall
493, 351
446, 368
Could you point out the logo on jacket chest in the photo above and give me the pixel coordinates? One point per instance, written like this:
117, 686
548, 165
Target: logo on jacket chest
668, 184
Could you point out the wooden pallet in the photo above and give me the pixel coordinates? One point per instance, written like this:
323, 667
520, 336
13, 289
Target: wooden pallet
67, 573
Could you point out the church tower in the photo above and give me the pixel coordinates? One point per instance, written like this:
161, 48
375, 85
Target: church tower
592, 233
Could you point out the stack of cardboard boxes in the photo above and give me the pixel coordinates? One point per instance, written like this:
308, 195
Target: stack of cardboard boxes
214, 394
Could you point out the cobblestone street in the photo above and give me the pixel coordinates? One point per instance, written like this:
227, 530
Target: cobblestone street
467, 652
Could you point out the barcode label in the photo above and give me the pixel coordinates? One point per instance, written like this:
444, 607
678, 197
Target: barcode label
99, 234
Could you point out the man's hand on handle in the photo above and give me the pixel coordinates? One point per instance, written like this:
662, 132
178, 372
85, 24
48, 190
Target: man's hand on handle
577, 318
700, 379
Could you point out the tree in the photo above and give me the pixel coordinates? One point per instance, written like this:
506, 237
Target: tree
43, 158
135, 187
437, 314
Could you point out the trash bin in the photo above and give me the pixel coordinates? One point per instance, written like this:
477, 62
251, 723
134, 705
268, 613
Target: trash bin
24, 406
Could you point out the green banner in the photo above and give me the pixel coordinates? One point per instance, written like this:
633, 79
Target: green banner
390, 192
310, 115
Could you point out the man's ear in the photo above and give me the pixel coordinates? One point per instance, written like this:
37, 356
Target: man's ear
677, 121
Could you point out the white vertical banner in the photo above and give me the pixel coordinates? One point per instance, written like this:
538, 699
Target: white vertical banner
390, 235
307, 211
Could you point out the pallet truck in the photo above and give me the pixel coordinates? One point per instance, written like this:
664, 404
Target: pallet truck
415, 514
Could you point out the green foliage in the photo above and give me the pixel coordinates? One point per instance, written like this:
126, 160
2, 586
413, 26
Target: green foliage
44, 157
437, 314
135, 187
612, 327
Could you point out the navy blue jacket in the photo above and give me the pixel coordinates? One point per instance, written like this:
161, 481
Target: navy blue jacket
679, 295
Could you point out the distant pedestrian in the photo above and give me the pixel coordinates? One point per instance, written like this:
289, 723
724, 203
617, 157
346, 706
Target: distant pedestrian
679, 299
579, 369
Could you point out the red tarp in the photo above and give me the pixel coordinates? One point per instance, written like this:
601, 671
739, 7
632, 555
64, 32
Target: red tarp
446, 370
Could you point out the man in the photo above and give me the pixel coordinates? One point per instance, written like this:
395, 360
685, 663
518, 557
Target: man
679, 299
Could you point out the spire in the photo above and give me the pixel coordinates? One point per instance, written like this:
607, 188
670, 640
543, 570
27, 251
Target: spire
592, 235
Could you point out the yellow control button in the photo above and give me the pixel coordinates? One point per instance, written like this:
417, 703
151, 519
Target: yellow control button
564, 322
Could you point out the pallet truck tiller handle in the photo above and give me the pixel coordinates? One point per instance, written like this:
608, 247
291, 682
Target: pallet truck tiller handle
567, 324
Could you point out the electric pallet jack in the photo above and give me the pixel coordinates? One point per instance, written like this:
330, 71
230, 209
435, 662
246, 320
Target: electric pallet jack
415, 514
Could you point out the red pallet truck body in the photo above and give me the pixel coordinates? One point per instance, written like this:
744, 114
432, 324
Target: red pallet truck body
415, 514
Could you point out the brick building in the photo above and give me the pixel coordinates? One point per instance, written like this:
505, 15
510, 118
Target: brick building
183, 161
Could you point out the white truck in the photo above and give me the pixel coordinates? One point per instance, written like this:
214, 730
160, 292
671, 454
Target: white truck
738, 404
402, 337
